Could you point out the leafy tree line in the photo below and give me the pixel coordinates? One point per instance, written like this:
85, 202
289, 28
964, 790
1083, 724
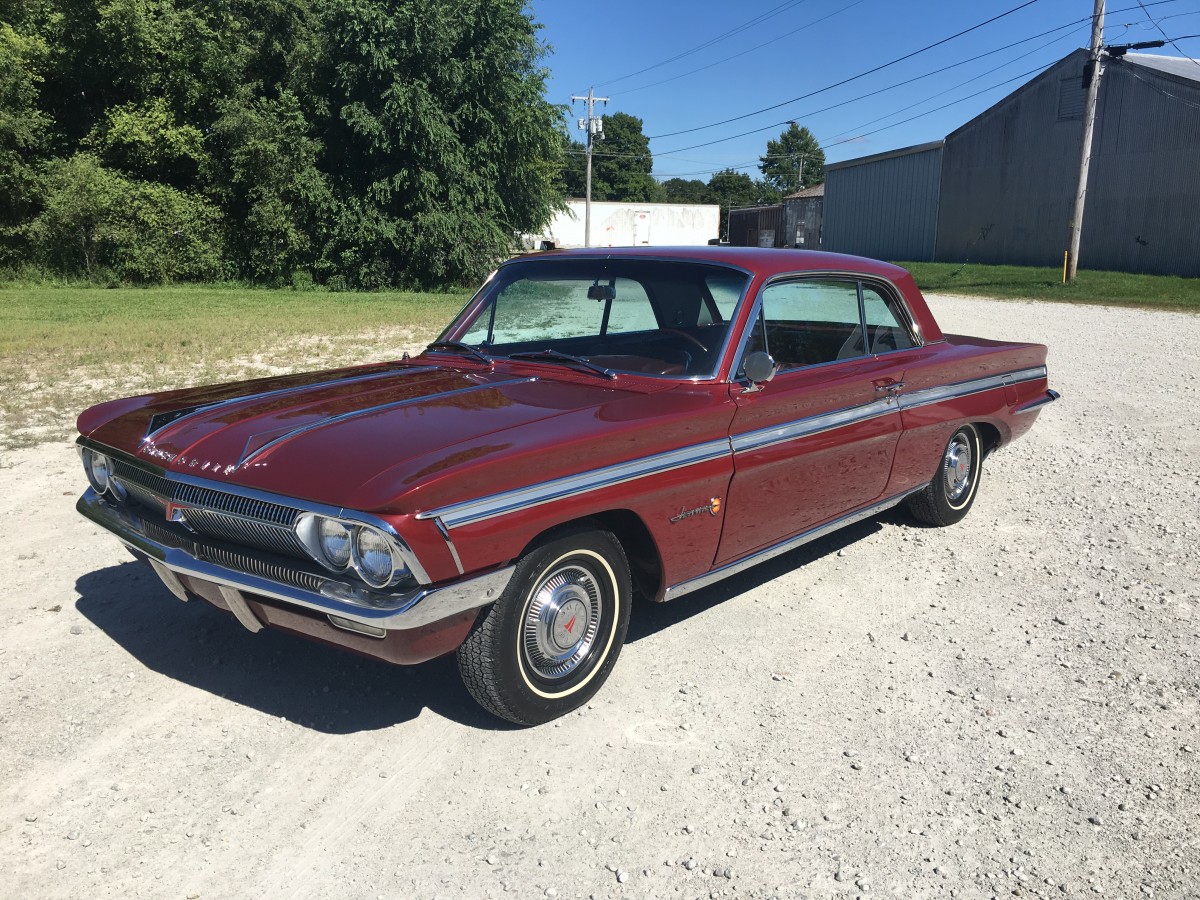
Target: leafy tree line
351, 142
622, 163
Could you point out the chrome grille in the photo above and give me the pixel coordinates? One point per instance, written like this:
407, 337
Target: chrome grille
239, 562
143, 495
132, 475
214, 513
238, 530
263, 569
207, 498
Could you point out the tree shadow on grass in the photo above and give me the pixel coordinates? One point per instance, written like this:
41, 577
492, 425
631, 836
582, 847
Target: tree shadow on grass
319, 687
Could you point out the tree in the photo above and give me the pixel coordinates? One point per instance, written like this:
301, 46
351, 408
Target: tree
95, 221
621, 163
438, 140
794, 161
363, 142
680, 190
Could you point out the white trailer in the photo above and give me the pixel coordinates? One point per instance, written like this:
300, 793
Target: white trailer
632, 225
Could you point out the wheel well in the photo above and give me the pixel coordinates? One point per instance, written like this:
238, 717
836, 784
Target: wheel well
645, 564
989, 436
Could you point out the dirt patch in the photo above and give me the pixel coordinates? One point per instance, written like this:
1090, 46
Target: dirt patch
1004, 708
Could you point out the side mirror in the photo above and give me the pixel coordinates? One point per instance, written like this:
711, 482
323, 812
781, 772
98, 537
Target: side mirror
760, 367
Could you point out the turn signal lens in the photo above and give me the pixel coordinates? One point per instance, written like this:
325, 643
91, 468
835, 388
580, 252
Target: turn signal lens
373, 556
335, 542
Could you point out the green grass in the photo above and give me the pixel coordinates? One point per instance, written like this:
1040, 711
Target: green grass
1033, 283
65, 348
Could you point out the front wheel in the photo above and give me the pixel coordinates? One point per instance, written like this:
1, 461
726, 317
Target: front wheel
548, 644
948, 497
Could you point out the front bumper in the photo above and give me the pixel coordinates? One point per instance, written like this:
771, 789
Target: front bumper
174, 553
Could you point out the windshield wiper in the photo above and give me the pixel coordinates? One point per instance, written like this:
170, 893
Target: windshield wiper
462, 349
559, 356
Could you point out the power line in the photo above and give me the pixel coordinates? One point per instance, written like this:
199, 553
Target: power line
898, 84
904, 109
874, 93
769, 14
719, 62
961, 84
878, 68
928, 112
1131, 68
1163, 33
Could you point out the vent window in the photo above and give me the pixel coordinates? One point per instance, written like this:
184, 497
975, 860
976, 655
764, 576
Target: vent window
1071, 99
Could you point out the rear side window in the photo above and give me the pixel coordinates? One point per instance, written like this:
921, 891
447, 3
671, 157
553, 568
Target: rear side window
886, 324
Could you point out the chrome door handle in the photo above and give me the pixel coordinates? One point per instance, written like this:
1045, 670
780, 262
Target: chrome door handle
894, 388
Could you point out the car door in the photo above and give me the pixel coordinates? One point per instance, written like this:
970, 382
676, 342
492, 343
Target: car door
818, 440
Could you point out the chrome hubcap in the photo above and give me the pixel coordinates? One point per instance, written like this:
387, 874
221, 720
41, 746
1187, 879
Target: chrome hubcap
956, 467
561, 622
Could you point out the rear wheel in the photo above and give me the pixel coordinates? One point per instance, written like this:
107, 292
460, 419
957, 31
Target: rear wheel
949, 496
548, 644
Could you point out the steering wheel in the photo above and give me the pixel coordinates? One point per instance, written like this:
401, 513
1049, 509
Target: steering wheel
687, 337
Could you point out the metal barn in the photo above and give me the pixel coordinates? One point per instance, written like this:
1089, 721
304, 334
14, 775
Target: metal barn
886, 205
1009, 175
1006, 180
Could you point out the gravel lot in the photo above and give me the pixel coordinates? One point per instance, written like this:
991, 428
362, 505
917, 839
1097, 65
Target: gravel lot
1004, 708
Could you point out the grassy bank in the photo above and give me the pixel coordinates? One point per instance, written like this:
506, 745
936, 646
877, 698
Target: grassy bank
64, 348
1108, 288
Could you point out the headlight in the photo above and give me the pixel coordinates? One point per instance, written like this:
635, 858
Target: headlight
373, 556
334, 538
99, 470
341, 544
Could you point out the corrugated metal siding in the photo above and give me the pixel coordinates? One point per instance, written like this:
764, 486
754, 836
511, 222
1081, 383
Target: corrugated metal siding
1009, 175
887, 209
1144, 185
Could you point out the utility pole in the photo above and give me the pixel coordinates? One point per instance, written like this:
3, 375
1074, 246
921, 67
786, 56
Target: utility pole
594, 126
1092, 78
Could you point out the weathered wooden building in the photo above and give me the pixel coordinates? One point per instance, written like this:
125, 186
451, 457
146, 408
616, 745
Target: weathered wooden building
804, 217
797, 221
757, 226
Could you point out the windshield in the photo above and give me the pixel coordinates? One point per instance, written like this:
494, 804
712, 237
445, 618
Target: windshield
651, 317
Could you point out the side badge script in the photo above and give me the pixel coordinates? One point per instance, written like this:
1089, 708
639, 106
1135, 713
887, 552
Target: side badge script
713, 508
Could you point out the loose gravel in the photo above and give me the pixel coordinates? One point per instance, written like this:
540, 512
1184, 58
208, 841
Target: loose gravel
1007, 707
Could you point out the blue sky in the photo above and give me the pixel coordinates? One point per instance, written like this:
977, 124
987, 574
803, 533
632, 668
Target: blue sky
814, 44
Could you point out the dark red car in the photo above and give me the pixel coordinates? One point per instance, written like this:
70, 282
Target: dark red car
593, 425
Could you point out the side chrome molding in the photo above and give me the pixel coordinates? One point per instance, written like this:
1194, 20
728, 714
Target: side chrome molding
741, 565
975, 386
522, 498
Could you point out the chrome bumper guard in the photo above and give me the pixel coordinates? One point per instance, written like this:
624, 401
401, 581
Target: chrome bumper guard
171, 554
1047, 398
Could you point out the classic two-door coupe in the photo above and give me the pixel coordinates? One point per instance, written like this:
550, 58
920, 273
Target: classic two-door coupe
594, 424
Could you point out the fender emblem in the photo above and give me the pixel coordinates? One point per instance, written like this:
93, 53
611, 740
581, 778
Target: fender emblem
713, 508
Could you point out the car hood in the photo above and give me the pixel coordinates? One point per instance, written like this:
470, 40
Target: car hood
326, 436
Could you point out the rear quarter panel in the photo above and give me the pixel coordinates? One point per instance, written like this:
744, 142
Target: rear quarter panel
960, 360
